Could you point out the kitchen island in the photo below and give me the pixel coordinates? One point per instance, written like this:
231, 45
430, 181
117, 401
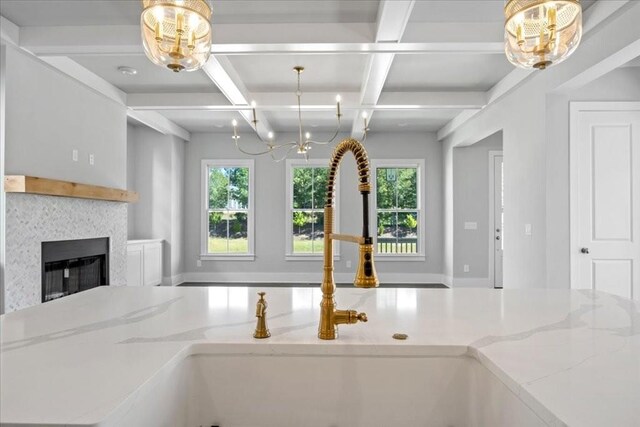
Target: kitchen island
571, 357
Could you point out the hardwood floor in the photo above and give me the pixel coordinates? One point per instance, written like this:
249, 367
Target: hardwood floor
313, 285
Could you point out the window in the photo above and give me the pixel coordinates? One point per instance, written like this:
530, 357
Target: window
399, 213
306, 197
227, 207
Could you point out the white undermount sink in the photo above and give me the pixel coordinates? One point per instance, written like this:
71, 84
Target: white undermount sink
232, 390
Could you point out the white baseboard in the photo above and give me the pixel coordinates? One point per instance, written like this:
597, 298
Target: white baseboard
173, 280
315, 277
447, 280
471, 282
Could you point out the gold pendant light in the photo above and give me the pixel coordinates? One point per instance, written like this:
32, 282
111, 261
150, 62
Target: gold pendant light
541, 33
177, 33
280, 151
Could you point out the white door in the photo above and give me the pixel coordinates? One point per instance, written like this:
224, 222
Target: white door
498, 219
605, 155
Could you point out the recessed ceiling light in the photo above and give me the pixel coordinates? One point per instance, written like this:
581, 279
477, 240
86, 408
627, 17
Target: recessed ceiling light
219, 125
128, 71
314, 125
402, 125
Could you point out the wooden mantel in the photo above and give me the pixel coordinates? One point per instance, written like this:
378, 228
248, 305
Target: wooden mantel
52, 187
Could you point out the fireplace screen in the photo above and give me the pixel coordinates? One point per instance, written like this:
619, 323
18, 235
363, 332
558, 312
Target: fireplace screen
73, 266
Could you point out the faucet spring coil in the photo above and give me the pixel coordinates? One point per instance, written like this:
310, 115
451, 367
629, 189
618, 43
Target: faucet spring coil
362, 163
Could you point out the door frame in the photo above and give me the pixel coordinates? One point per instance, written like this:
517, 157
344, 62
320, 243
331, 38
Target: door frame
492, 253
3, 197
575, 108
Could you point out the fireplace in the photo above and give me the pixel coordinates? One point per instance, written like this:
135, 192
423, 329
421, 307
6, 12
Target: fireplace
72, 266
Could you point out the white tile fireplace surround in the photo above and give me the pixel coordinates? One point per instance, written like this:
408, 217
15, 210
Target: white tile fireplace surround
33, 219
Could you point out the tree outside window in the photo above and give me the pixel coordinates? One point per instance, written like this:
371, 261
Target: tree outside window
397, 210
309, 186
228, 210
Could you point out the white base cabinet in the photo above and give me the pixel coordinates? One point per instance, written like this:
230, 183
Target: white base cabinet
144, 262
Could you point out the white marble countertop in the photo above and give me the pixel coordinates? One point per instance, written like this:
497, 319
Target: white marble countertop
571, 356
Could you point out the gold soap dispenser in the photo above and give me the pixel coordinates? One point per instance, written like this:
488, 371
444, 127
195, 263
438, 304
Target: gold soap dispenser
261, 313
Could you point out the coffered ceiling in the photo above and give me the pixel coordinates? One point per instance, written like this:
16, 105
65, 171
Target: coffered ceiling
323, 73
411, 65
446, 72
149, 78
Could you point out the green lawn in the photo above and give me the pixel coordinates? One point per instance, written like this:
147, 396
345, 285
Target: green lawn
218, 245
238, 246
304, 246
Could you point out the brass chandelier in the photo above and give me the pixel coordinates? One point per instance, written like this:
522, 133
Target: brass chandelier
177, 33
541, 33
280, 151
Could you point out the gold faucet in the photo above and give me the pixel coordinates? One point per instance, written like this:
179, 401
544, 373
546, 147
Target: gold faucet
261, 314
366, 276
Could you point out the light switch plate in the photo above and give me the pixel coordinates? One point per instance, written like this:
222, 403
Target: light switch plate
198, 263
466, 268
470, 225
348, 263
527, 229
74, 155
91, 159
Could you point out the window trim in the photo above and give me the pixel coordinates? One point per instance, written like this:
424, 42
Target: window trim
204, 207
420, 198
289, 254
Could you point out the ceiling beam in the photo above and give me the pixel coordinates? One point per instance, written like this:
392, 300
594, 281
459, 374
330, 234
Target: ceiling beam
275, 39
393, 17
86, 77
97, 84
592, 18
179, 101
159, 123
9, 32
313, 101
241, 49
455, 123
126, 39
612, 62
423, 48
221, 72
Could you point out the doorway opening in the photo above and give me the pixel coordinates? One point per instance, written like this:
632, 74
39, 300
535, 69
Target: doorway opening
476, 216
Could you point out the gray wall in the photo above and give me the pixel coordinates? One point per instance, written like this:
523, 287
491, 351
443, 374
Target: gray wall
471, 204
177, 210
447, 213
156, 172
48, 114
3, 67
530, 193
622, 84
522, 121
535, 145
270, 206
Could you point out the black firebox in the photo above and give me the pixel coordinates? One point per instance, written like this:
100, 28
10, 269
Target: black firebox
71, 266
